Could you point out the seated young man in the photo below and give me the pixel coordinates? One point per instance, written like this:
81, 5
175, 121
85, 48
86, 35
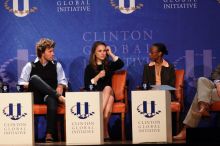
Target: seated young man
46, 79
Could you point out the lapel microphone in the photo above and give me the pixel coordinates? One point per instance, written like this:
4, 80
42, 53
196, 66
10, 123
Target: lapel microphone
103, 65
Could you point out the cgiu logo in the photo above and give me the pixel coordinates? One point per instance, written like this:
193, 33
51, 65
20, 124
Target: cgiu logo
124, 9
81, 110
14, 112
148, 109
19, 13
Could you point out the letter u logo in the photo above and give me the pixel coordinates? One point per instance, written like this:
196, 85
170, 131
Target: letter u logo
11, 110
128, 10
81, 110
86, 108
148, 109
22, 13
14, 111
152, 104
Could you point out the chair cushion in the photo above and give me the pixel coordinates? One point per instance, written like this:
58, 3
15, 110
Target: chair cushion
175, 106
215, 106
118, 107
41, 109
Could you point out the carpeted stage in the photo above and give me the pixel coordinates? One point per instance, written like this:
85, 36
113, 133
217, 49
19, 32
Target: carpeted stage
114, 143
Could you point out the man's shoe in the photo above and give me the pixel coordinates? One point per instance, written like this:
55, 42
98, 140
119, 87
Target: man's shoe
49, 138
181, 135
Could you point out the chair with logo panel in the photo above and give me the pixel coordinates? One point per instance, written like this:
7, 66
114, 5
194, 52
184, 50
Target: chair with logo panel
41, 110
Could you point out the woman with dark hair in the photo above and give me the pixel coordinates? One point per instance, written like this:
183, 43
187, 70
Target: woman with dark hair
98, 73
159, 71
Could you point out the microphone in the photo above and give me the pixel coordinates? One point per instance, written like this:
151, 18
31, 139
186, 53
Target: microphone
5, 87
91, 87
146, 86
103, 65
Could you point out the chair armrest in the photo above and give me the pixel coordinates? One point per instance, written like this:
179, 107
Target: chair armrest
179, 95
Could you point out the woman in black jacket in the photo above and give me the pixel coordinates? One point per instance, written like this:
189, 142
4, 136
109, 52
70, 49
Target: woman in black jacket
159, 71
98, 75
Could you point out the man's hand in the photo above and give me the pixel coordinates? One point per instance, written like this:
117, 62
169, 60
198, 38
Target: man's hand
59, 89
25, 87
218, 89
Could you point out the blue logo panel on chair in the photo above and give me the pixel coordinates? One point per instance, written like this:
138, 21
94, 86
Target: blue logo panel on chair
151, 116
142, 109
16, 119
84, 118
76, 110
14, 111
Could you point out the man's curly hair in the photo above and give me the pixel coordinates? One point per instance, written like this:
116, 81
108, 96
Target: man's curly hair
42, 45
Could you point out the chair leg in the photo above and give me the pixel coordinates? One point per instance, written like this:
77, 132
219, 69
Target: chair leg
36, 127
61, 130
59, 133
177, 122
123, 126
64, 117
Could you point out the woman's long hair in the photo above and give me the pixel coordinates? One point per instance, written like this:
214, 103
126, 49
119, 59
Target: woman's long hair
92, 59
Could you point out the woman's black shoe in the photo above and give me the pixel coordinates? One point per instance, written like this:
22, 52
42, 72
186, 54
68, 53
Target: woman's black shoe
107, 139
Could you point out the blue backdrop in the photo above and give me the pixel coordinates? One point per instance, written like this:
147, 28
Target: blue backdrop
189, 28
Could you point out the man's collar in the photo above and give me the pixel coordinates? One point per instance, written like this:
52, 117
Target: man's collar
37, 59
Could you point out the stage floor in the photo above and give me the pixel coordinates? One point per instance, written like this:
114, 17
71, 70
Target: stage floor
110, 143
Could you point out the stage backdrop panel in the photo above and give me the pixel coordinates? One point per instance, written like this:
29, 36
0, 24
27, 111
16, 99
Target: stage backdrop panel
189, 28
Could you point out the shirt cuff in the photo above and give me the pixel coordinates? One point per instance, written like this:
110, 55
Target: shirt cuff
93, 81
23, 83
217, 82
63, 82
